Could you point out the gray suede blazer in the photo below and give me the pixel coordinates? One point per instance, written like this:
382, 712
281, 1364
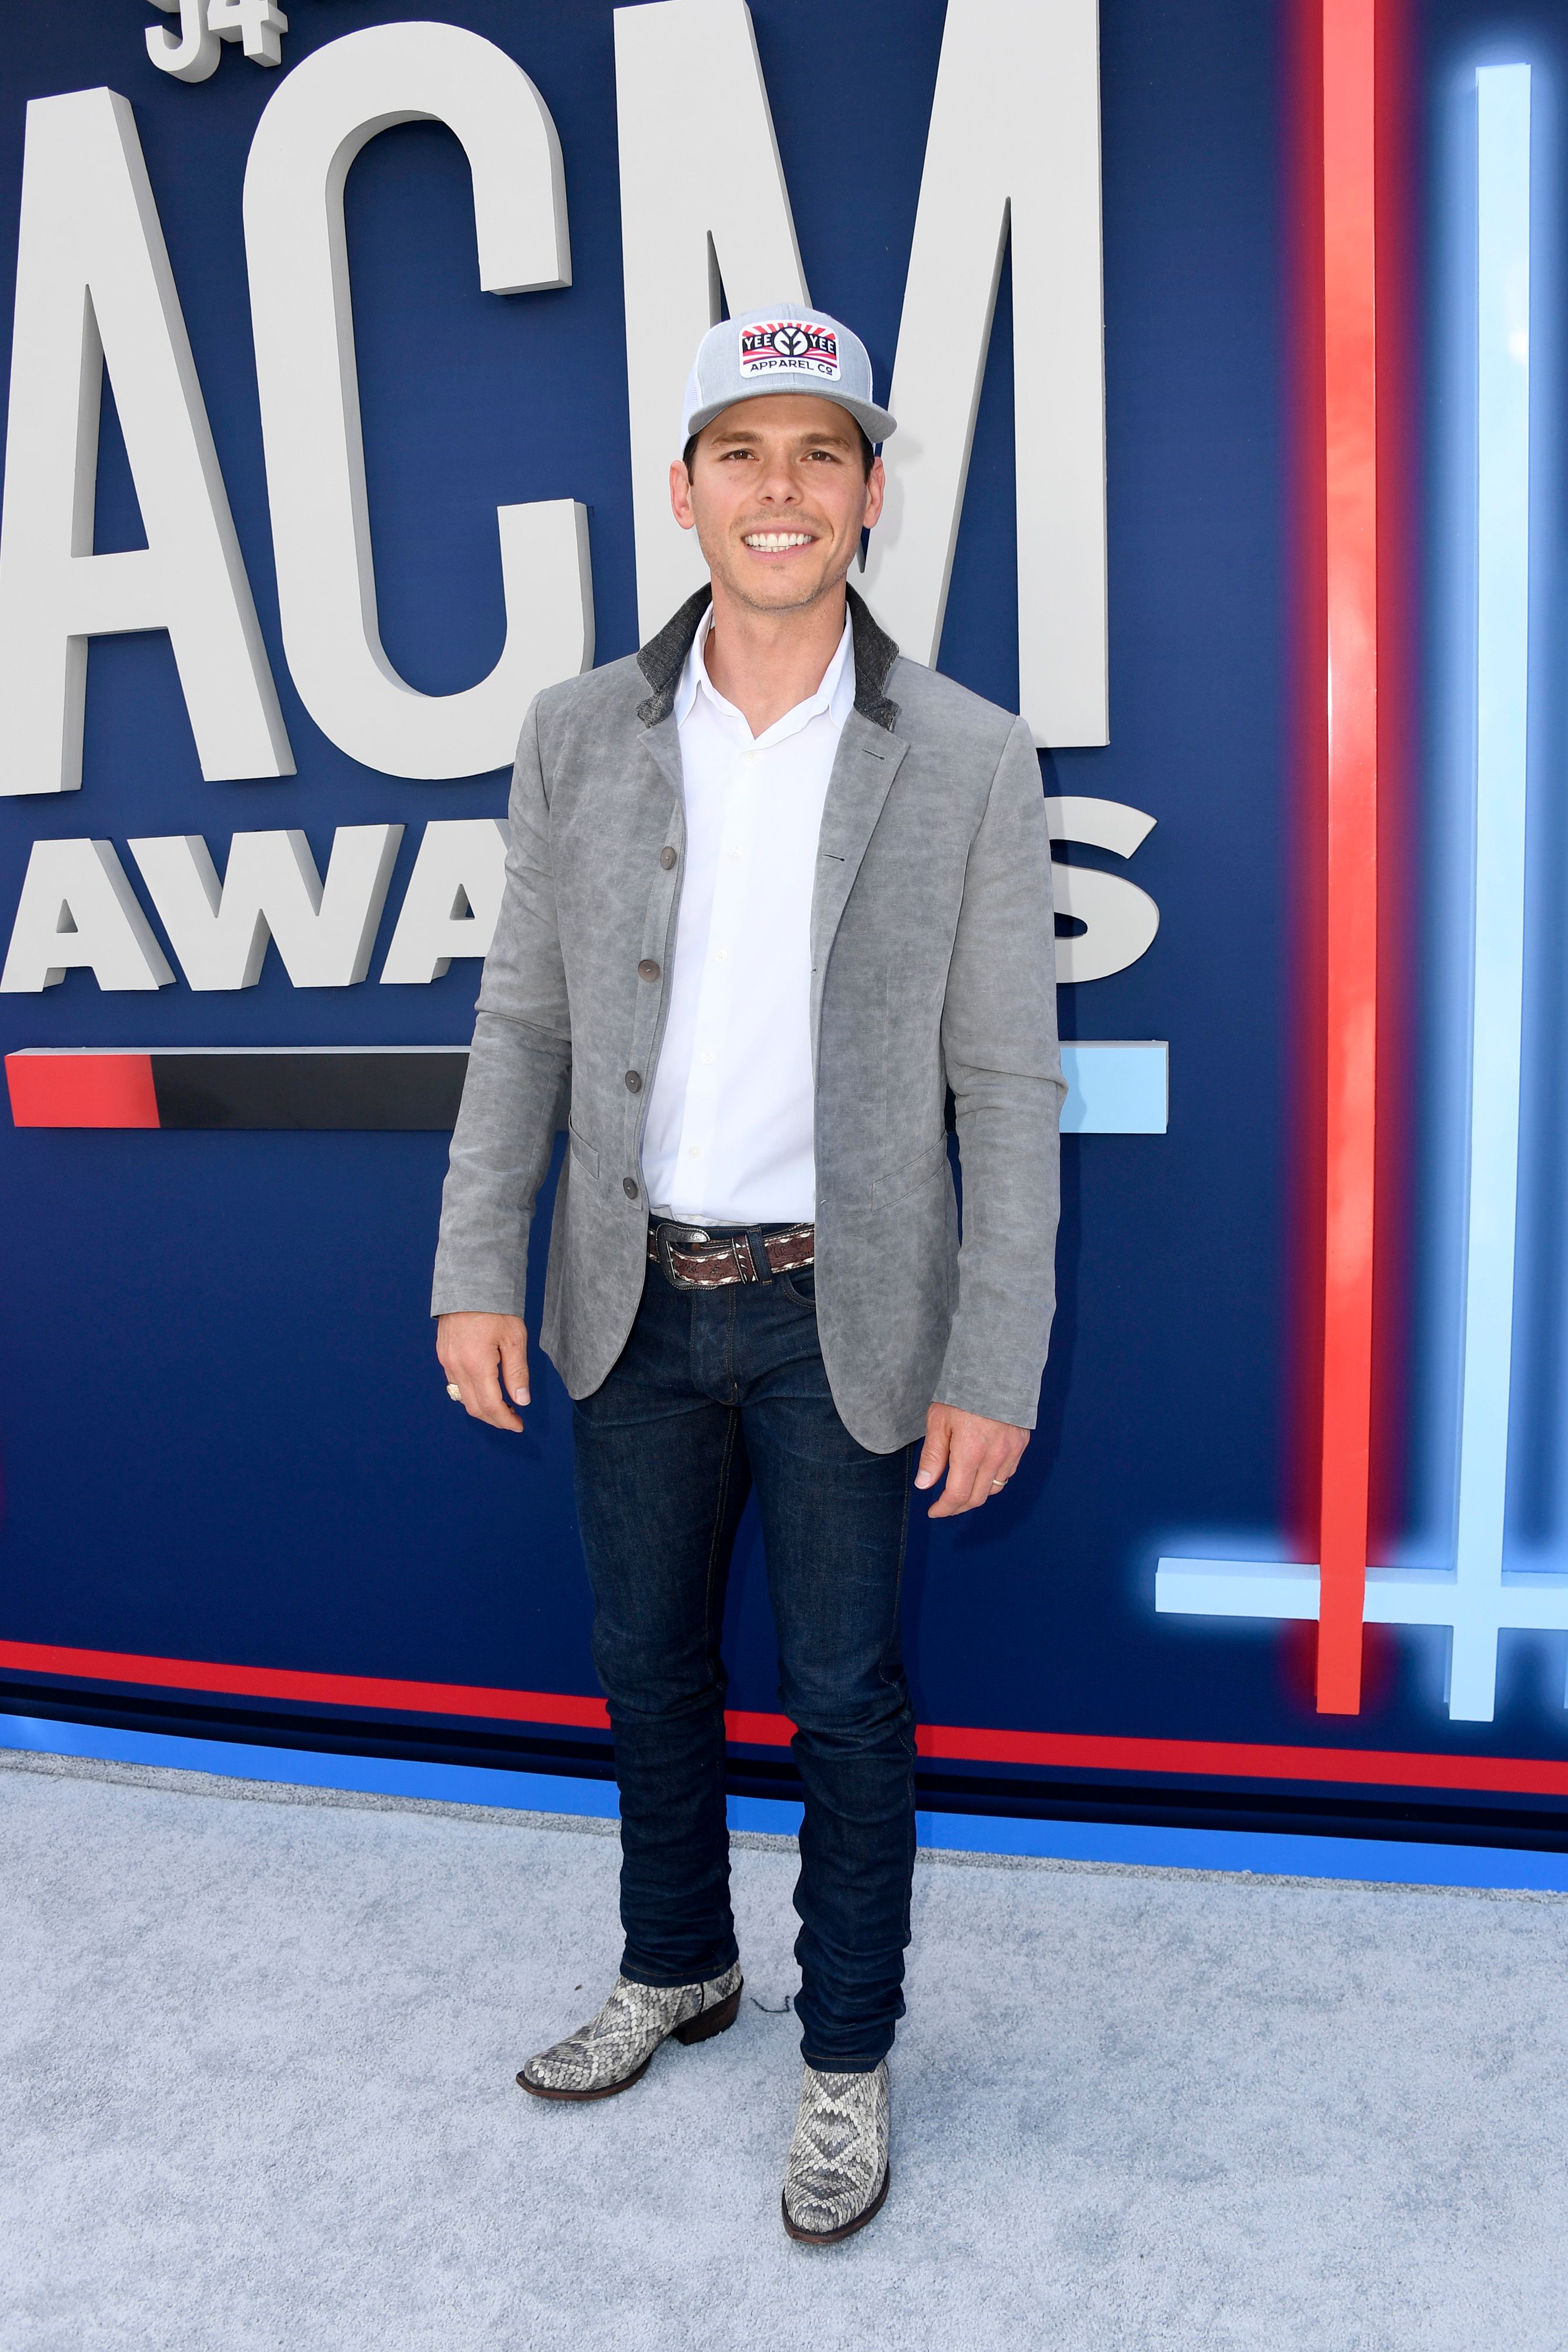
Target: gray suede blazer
933, 960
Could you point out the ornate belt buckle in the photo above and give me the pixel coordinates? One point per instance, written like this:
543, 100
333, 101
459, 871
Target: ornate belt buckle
672, 1236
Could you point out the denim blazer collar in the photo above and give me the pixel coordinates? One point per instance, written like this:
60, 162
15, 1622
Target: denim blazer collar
663, 658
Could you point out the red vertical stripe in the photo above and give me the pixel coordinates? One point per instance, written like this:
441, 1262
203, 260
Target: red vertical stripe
1301, 118
1399, 465
1350, 442
82, 1090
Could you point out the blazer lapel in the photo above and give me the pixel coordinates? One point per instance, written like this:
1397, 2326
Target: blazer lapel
664, 741
868, 760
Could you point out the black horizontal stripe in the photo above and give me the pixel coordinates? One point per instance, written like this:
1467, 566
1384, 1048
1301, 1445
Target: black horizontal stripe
411, 1089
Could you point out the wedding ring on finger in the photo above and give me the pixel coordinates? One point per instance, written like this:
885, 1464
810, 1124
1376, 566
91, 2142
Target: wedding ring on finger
997, 1483
453, 1391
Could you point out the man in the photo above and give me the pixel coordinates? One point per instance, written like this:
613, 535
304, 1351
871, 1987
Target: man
772, 891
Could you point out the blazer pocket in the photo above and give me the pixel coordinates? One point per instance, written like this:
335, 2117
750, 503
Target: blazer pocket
911, 1176
584, 1151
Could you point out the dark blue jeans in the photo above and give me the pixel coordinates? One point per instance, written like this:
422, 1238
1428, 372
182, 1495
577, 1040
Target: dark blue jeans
717, 1392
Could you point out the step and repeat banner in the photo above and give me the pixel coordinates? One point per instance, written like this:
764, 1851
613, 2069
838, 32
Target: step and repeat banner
1228, 341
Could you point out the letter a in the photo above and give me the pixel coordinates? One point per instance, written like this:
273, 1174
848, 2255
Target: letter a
94, 288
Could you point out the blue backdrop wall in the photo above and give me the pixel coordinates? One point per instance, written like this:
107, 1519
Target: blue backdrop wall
225, 1435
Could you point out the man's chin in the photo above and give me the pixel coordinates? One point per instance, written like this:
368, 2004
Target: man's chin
783, 591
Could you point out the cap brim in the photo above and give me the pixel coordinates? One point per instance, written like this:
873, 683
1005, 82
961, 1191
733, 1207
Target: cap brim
873, 421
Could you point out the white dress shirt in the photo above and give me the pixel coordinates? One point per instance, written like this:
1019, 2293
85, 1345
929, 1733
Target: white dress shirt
729, 1139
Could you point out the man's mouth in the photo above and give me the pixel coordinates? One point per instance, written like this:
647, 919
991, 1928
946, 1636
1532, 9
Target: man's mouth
778, 542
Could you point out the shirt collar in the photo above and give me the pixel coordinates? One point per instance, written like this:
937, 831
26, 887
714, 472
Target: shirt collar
835, 697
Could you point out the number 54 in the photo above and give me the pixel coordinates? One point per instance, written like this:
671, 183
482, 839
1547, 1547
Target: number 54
193, 54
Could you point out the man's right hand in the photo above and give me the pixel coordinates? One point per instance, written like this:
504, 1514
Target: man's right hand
485, 1358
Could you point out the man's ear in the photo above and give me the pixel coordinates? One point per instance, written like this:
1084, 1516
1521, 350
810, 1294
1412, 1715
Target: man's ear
681, 496
876, 491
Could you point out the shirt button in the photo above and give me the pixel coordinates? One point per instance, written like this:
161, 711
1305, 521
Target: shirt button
634, 1082
647, 969
708, 1059
693, 1153
667, 858
629, 1186
722, 956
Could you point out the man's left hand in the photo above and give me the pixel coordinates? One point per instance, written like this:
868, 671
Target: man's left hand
979, 1456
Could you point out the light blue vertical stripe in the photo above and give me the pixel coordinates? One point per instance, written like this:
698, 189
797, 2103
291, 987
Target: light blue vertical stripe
1497, 1012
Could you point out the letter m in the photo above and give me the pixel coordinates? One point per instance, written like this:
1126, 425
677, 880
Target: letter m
1012, 152
1013, 149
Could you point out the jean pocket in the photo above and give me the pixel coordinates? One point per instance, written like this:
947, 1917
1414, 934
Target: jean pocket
799, 1285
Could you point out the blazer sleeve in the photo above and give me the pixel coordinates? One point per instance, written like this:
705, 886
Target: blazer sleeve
518, 1065
999, 1045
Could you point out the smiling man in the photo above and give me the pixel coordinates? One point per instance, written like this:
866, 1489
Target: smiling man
775, 896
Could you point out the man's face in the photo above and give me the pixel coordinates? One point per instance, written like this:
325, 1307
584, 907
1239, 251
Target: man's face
777, 499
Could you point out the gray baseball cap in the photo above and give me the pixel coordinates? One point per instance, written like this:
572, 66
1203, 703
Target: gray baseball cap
782, 349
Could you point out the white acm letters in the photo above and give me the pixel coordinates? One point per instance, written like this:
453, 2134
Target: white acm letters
79, 911
94, 287
1013, 150
1012, 154
1121, 920
703, 217
78, 908
452, 900
324, 932
314, 126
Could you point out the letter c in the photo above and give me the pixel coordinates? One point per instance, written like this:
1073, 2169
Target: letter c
322, 114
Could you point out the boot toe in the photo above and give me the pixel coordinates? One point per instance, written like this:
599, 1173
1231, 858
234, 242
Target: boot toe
825, 2214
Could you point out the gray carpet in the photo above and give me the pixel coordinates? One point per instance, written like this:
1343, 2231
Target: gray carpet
259, 2061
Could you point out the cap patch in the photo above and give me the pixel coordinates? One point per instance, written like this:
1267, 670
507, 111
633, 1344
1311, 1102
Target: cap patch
795, 346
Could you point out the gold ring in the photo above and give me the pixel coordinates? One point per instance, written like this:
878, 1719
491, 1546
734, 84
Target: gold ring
453, 1391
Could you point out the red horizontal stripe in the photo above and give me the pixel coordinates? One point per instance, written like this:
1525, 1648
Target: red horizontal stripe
1368, 1767
758, 1730
82, 1090
1382, 1768
324, 1690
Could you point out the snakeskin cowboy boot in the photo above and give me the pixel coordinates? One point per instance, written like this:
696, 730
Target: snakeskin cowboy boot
612, 2051
837, 2176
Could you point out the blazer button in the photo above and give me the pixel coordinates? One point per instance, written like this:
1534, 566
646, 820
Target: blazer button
647, 969
634, 1082
629, 1186
667, 858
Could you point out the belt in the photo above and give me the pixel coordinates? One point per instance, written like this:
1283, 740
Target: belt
694, 1259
